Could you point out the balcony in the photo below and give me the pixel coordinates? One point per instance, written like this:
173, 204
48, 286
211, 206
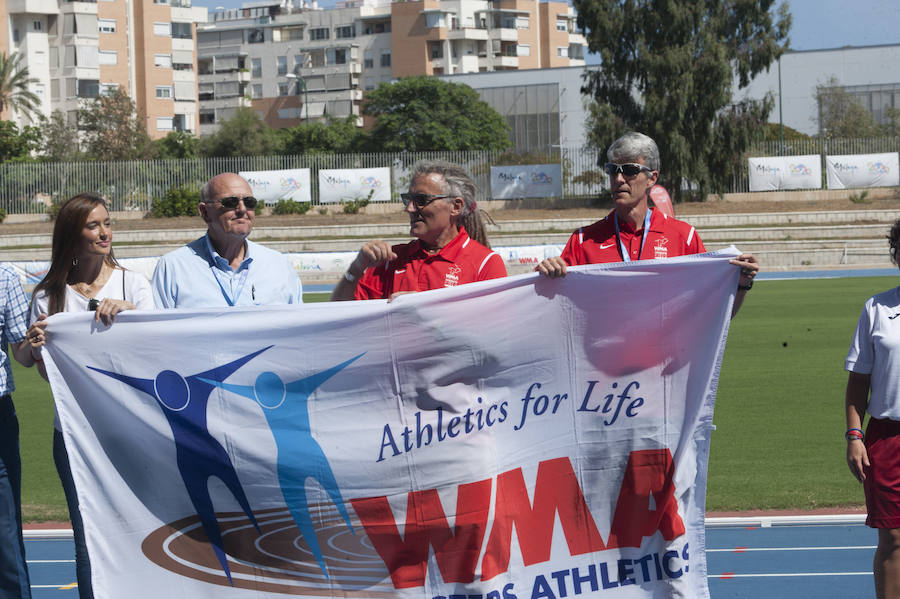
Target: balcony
468, 33
34, 7
504, 35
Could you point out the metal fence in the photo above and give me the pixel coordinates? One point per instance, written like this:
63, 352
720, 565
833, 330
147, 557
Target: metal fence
32, 188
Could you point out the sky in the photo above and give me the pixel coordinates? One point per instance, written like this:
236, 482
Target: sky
817, 24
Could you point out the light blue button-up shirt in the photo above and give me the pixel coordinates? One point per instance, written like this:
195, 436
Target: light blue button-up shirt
196, 276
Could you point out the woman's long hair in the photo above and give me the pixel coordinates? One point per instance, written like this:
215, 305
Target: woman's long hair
70, 221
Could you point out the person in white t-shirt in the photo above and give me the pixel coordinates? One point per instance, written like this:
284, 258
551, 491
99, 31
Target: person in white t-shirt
873, 386
83, 276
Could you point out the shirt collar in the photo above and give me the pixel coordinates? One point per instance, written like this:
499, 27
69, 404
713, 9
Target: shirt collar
450, 251
220, 262
656, 218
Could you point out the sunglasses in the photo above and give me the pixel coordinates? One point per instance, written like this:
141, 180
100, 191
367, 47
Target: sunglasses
420, 199
629, 169
231, 202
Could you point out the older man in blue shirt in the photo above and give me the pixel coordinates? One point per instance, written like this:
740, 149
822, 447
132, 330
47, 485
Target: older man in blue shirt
13, 324
224, 268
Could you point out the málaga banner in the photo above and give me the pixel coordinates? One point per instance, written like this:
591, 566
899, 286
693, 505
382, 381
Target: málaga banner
526, 181
775, 173
288, 184
515, 438
863, 170
354, 184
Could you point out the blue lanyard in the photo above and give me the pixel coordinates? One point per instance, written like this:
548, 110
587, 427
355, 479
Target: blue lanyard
242, 280
622, 250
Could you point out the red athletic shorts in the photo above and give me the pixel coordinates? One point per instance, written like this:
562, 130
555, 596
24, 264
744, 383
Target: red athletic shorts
882, 484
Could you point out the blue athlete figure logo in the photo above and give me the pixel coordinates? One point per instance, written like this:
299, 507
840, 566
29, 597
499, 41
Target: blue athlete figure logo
299, 454
199, 455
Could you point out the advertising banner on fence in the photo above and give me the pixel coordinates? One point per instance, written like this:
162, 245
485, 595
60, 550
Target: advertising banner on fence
863, 170
347, 185
500, 439
526, 181
776, 173
271, 186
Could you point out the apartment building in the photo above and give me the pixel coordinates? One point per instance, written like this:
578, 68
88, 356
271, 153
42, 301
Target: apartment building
78, 50
292, 61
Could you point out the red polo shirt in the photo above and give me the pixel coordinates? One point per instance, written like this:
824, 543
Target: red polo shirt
461, 261
667, 238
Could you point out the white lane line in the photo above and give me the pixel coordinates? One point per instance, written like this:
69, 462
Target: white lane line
749, 549
728, 575
61, 587
51, 561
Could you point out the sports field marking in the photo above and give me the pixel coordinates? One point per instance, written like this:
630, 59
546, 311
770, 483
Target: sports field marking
55, 586
51, 561
730, 575
749, 549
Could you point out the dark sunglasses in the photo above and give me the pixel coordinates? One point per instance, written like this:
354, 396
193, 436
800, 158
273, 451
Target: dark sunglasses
231, 202
420, 199
630, 169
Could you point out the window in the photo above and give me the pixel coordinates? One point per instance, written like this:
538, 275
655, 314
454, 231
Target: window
562, 25
434, 19
164, 92
340, 56
369, 84
523, 50
256, 68
88, 88
385, 59
164, 123
108, 57
299, 61
207, 117
377, 28
563, 52
344, 32
182, 31
106, 25
163, 29
368, 62
256, 90
281, 65
321, 33
289, 113
163, 61
436, 50
521, 22
40, 57
256, 36
107, 89
283, 89
37, 25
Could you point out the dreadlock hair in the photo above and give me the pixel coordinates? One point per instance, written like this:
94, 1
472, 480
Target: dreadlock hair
458, 183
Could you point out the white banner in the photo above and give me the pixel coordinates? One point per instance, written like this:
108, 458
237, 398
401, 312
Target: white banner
347, 185
476, 440
863, 170
271, 186
775, 173
526, 181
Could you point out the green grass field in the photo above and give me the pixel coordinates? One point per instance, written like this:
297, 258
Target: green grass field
779, 413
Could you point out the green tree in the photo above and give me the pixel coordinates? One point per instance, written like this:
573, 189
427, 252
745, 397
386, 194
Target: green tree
773, 131
178, 144
59, 141
892, 126
17, 145
112, 129
244, 134
337, 136
667, 71
841, 114
14, 82
426, 114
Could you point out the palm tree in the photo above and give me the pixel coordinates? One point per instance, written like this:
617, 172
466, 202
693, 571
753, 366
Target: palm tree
14, 82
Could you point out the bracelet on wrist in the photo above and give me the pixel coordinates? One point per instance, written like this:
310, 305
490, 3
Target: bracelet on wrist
854, 434
349, 276
746, 287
